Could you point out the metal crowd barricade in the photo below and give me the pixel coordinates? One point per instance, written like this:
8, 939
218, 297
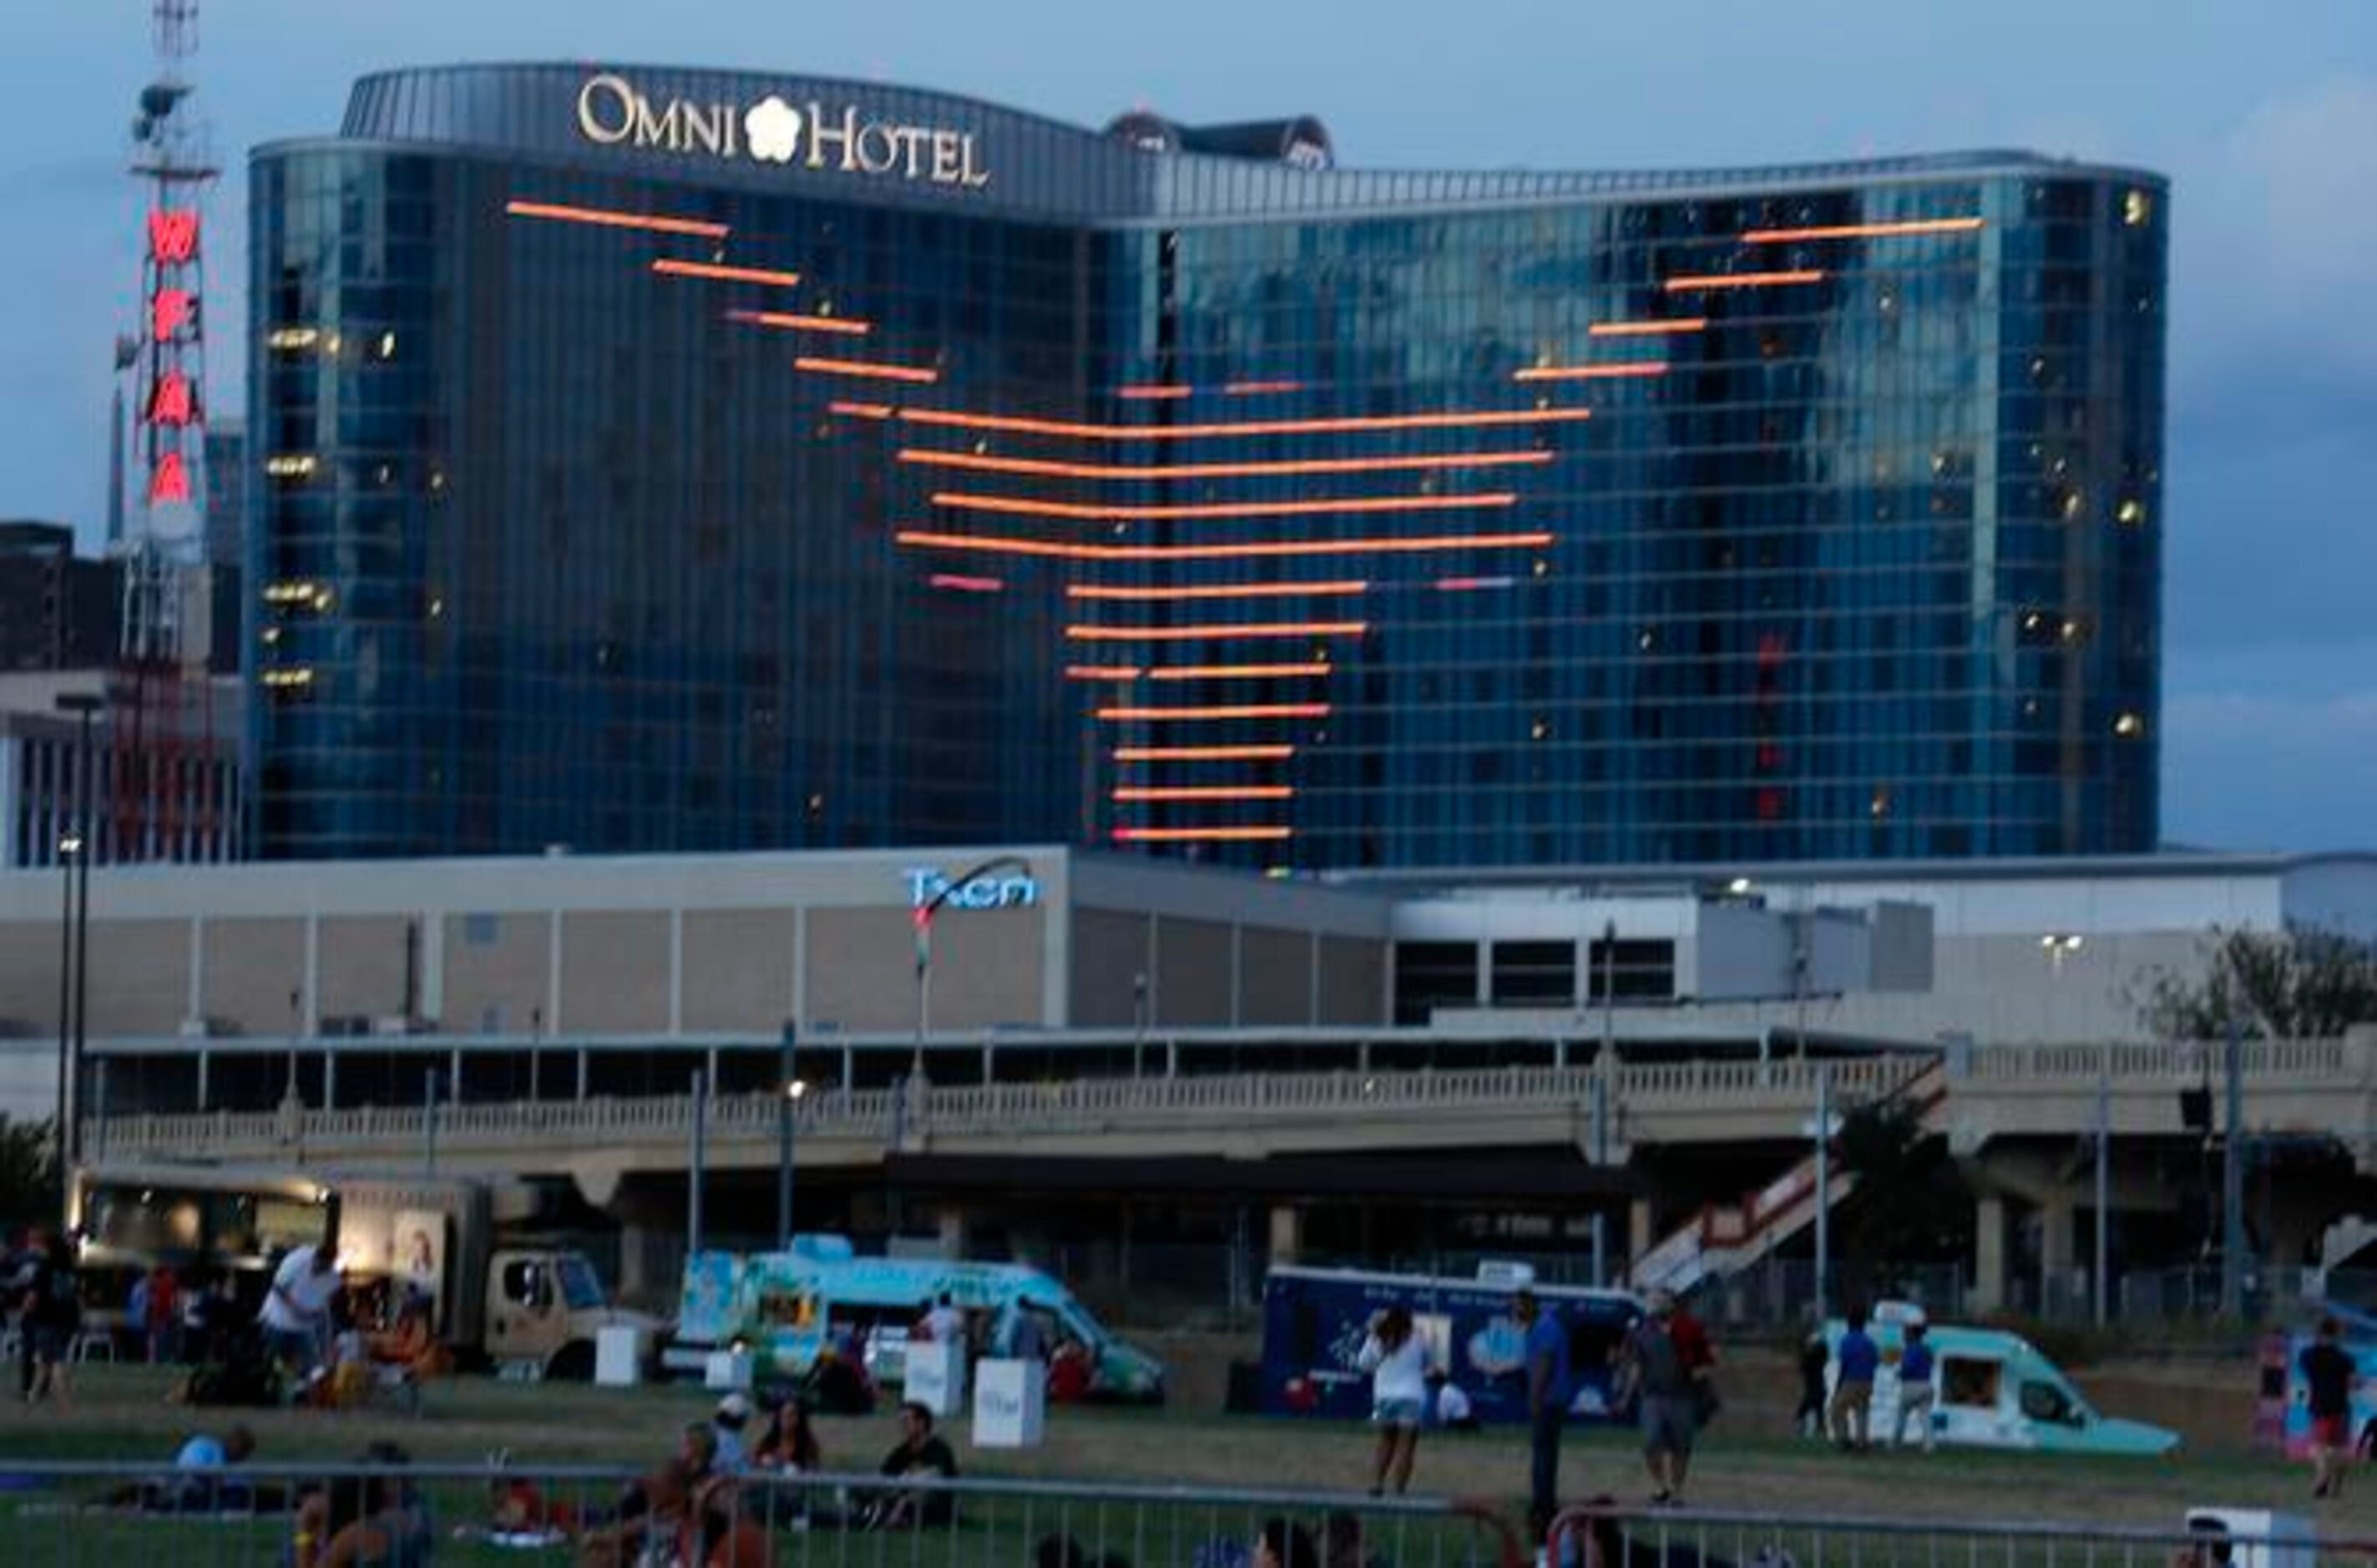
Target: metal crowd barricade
1605, 1536
80, 1515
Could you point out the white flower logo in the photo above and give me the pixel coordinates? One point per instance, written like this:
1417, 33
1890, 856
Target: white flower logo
773, 129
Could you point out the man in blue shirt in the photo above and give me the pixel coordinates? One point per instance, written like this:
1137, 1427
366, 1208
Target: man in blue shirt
1855, 1361
1914, 1391
1547, 1395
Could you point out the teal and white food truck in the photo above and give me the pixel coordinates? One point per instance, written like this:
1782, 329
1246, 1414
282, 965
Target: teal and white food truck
784, 1309
1992, 1389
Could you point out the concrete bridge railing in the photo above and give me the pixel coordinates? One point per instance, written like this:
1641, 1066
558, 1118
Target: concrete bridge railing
2044, 1091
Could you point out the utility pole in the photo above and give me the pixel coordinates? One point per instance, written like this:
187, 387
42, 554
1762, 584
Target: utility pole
788, 1093
1600, 1163
2232, 1180
429, 1126
1823, 1185
2104, 1189
693, 1166
1602, 1068
85, 707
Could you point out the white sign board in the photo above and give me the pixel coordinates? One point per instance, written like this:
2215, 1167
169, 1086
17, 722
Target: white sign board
1011, 1404
935, 1376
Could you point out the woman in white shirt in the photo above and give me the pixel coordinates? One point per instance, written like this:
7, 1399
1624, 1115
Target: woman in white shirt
1396, 1358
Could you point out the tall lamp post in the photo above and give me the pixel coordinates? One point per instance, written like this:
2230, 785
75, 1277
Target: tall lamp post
86, 706
789, 1090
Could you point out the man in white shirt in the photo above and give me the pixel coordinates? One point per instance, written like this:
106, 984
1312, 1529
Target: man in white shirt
946, 1326
296, 1316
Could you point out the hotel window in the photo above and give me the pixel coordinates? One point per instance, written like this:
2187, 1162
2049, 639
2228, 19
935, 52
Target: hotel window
1433, 975
1534, 974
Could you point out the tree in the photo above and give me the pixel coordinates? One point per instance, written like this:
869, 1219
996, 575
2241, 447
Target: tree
2299, 983
1911, 1204
28, 1173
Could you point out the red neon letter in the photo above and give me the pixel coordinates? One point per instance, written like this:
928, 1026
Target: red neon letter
172, 403
168, 313
170, 482
173, 236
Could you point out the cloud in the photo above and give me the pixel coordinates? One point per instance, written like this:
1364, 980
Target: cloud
2290, 206
2260, 769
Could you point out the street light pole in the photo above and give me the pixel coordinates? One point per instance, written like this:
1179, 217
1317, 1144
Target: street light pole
69, 847
86, 706
922, 918
788, 1093
2232, 1180
1823, 1183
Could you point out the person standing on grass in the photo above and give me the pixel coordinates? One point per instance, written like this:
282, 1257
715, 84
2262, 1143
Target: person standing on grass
1856, 1359
1547, 1371
1396, 1358
54, 1313
2328, 1372
1662, 1384
161, 1327
1815, 1356
1915, 1395
296, 1314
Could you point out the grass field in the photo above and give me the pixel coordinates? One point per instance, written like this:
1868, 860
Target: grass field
121, 1414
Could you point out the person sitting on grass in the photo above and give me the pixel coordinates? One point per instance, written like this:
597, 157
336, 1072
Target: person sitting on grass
378, 1519
393, 1529
788, 1443
1282, 1543
196, 1487
411, 1348
651, 1507
921, 1452
1448, 1407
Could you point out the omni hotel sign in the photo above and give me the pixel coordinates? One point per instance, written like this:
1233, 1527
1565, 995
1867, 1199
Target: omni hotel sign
814, 135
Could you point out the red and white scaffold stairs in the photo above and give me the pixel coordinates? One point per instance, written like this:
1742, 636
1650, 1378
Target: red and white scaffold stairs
1724, 1237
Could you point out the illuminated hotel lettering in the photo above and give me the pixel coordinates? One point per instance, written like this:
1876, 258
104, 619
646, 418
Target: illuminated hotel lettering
169, 312
1016, 889
173, 237
172, 403
168, 482
612, 112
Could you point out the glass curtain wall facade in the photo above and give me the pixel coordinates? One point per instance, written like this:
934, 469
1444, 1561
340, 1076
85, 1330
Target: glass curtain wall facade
957, 476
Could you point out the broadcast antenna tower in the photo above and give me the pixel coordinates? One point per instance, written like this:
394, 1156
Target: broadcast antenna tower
164, 794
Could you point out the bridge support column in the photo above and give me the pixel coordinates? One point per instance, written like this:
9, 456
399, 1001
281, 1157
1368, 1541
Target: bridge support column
1286, 1233
953, 1230
1638, 1228
1988, 1253
2057, 1216
632, 1249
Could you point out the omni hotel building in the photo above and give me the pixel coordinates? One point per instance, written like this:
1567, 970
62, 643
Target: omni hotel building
664, 460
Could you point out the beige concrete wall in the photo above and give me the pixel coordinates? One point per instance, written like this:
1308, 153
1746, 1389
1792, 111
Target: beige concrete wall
140, 976
28, 975
505, 975
1274, 977
861, 969
1192, 973
738, 970
862, 974
1353, 981
362, 965
1109, 948
251, 967
614, 973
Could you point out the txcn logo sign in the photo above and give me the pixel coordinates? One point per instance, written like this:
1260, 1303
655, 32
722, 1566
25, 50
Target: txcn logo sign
613, 113
1010, 889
